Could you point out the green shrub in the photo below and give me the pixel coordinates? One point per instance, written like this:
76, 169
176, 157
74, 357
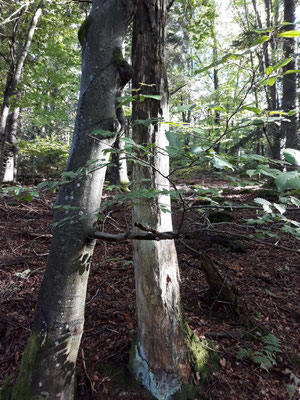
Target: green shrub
44, 158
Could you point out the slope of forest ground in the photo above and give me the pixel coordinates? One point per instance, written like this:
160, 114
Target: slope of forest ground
267, 279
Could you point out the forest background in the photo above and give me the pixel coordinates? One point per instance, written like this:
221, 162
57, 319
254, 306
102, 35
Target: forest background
234, 111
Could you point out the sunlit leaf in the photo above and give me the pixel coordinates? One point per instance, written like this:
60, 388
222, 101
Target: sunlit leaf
268, 81
280, 207
260, 40
264, 203
289, 34
221, 163
292, 156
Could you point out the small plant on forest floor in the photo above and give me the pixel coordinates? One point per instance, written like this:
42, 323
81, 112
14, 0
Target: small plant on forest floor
266, 356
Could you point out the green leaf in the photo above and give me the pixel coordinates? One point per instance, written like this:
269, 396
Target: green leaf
103, 132
70, 174
292, 71
278, 65
289, 34
221, 163
280, 207
138, 162
129, 141
288, 180
292, 156
28, 198
216, 107
265, 204
244, 353
251, 172
251, 108
293, 231
125, 100
268, 81
260, 40
173, 140
151, 96
295, 201
145, 122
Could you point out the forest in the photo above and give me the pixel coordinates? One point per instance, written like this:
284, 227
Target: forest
149, 199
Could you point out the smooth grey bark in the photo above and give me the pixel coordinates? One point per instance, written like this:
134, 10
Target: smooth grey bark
13, 79
160, 360
289, 84
48, 364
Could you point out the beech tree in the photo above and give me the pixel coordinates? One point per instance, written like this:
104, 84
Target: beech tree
48, 364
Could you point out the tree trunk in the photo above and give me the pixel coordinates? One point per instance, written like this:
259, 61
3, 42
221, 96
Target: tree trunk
118, 172
289, 83
217, 117
48, 364
160, 360
13, 79
11, 149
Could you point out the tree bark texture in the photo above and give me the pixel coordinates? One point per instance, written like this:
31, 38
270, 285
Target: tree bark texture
13, 79
289, 83
160, 359
48, 363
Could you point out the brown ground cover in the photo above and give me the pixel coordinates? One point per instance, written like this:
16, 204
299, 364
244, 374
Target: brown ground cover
267, 279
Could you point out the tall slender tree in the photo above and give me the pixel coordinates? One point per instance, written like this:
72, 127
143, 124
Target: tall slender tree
48, 364
289, 83
14, 76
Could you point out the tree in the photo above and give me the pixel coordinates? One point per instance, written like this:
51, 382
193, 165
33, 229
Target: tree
48, 364
161, 360
11, 150
14, 75
289, 83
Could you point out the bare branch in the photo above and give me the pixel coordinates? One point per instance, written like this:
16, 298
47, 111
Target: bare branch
155, 235
11, 17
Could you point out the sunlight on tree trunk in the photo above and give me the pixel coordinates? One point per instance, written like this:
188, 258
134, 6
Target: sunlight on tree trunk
11, 150
160, 360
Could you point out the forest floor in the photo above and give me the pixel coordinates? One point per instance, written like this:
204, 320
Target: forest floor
266, 277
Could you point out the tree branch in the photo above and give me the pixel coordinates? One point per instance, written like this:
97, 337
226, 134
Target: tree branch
170, 235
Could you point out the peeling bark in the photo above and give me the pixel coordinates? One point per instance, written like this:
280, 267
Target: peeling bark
161, 360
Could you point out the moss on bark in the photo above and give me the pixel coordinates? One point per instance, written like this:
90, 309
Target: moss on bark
6, 390
202, 355
21, 389
124, 68
84, 29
